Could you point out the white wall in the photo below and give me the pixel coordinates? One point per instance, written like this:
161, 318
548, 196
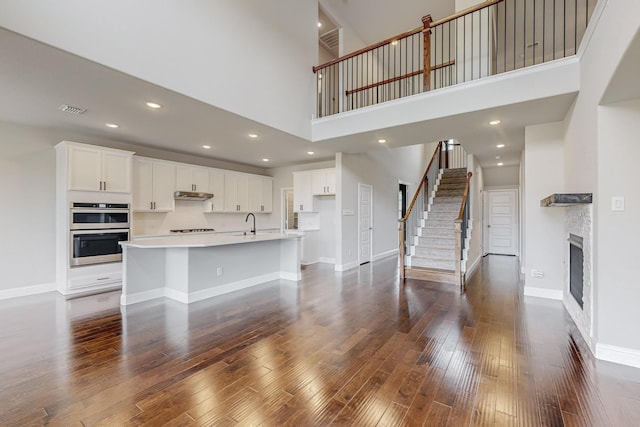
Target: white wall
382, 169
27, 182
544, 233
618, 233
233, 50
502, 176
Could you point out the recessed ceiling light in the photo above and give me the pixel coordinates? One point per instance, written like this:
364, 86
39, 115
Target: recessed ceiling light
494, 122
112, 125
153, 105
382, 141
319, 24
499, 145
319, 75
311, 152
253, 135
500, 164
206, 146
497, 157
265, 160
394, 43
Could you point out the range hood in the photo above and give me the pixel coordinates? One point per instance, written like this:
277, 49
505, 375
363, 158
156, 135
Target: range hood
191, 195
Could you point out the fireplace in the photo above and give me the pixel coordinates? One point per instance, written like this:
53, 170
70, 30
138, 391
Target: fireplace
576, 268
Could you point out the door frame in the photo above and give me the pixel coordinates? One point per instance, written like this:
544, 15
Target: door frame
360, 186
486, 233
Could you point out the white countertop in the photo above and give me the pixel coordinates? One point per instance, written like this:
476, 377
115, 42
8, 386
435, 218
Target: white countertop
201, 240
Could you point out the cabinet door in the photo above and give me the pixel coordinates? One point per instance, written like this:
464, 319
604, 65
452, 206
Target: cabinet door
243, 193
331, 181
116, 172
319, 182
142, 185
216, 185
184, 180
164, 181
267, 195
85, 168
231, 192
255, 194
302, 192
200, 179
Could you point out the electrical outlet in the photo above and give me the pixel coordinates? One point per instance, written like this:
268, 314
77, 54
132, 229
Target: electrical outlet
537, 273
219, 271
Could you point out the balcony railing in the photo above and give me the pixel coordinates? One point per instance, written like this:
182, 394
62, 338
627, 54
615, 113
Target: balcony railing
494, 37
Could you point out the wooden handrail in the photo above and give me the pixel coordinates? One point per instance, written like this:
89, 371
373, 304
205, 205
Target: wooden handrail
367, 49
405, 218
395, 79
464, 197
465, 12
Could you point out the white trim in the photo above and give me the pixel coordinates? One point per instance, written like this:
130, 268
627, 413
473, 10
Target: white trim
294, 277
472, 269
386, 254
26, 291
327, 260
621, 355
141, 296
347, 266
361, 186
555, 294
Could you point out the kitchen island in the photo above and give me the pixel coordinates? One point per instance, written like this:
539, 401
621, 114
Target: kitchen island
190, 268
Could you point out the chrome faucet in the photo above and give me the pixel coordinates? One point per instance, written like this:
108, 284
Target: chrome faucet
253, 230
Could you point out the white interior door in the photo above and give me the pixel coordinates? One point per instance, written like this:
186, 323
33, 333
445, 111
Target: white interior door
365, 222
502, 226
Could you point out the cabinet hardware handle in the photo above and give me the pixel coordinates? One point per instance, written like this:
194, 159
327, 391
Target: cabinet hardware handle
105, 186
100, 185
154, 205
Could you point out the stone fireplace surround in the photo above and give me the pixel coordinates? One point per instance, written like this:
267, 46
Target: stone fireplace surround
578, 221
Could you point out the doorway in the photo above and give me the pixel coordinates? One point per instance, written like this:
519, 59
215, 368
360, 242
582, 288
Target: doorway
289, 217
365, 223
501, 222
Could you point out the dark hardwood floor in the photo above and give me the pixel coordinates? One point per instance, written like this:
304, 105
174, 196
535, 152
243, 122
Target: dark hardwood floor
353, 348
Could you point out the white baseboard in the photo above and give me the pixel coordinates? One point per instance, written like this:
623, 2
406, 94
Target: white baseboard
327, 260
187, 298
26, 291
555, 294
345, 267
387, 254
621, 355
141, 296
473, 267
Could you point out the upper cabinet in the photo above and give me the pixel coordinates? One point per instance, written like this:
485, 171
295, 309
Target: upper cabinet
260, 194
323, 182
153, 185
92, 168
236, 192
216, 186
302, 192
192, 178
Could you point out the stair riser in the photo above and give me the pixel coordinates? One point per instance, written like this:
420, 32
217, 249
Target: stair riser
426, 263
431, 242
434, 253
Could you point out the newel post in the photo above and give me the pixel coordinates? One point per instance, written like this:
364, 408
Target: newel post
426, 22
401, 247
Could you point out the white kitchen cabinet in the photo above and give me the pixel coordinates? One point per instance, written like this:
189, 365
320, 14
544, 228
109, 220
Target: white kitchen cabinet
92, 168
216, 185
192, 178
153, 185
260, 194
323, 182
302, 192
236, 192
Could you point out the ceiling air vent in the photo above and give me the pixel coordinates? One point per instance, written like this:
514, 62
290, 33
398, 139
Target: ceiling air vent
330, 41
71, 109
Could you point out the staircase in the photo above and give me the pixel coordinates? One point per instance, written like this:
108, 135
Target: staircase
432, 256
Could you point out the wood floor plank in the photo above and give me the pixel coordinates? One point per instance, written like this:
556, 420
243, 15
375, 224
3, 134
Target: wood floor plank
353, 348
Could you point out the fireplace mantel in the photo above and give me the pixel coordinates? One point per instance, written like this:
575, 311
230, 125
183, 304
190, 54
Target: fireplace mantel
566, 199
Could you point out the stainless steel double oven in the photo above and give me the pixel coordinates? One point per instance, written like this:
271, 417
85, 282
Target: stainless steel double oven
95, 232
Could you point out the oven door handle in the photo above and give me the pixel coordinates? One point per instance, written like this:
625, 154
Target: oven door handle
101, 231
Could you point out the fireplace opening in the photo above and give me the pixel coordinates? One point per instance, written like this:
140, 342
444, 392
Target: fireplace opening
576, 268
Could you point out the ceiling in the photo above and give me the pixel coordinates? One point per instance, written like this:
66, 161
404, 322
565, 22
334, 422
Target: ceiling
38, 78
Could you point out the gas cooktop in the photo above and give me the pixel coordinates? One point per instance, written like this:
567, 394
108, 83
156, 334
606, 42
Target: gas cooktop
192, 230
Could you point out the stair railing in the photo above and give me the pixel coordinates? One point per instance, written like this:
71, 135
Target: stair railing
412, 217
461, 224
